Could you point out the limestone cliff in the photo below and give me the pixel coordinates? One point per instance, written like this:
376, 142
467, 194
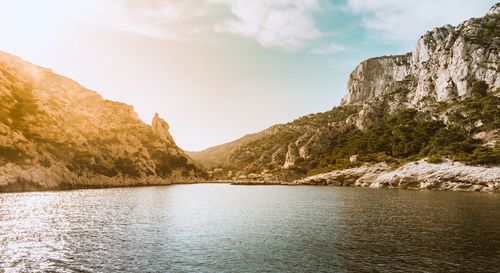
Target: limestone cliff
56, 134
443, 66
441, 102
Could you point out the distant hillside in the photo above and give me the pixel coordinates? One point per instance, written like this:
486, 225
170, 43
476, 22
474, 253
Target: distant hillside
440, 102
55, 134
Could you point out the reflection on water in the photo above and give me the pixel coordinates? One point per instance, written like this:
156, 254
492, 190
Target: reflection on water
223, 228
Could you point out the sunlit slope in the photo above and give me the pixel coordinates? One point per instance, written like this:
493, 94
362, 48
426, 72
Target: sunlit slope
54, 133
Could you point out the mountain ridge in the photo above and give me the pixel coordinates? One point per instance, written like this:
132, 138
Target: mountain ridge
448, 87
56, 134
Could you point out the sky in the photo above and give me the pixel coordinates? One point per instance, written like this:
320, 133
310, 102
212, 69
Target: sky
216, 70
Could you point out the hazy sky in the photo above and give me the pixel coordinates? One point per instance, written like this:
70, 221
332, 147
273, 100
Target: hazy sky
219, 69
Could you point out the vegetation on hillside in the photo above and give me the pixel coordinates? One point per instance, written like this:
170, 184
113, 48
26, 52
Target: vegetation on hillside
404, 136
42, 130
410, 135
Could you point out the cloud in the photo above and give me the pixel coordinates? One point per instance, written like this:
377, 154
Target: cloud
406, 20
164, 19
281, 23
330, 48
285, 24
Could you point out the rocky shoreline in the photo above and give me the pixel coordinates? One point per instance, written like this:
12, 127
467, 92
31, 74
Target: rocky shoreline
14, 178
418, 175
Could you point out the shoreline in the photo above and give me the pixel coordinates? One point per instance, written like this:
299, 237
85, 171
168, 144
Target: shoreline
112, 187
247, 183
417, 175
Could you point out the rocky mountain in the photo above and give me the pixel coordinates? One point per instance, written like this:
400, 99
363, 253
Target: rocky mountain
440, 102
55, 134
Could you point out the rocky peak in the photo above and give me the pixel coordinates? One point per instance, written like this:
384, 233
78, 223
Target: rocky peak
495, 10
161, 128
444, 65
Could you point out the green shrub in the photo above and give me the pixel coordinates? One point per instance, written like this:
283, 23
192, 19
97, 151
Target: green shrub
485, 109
126, 166
12, 154
166, 163
435, 159
482, 155
479, 89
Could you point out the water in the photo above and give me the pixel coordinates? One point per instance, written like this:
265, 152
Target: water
224, 228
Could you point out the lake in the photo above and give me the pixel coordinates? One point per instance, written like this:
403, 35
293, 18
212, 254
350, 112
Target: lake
226, 228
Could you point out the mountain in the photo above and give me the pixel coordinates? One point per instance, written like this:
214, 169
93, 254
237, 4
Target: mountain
437, 105
55, 134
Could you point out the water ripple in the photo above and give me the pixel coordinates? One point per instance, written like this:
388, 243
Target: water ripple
223, 228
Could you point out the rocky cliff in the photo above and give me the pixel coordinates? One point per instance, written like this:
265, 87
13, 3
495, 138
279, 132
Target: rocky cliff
55, 134
440, 102
445, 64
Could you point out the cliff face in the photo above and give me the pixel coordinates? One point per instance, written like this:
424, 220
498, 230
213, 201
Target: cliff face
372, 78
443, 66
440, 101
56, 134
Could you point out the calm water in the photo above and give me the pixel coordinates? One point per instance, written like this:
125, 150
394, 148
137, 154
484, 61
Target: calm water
223, 228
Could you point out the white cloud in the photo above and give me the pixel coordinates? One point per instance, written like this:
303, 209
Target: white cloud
281, 23
330, 48
287, 24
165, 19
406, 20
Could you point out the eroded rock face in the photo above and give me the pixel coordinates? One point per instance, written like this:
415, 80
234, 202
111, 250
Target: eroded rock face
419, 175
443, 66
371, 78
348, 177
292, 155
161, 129
316, 143
56, 134
445, 176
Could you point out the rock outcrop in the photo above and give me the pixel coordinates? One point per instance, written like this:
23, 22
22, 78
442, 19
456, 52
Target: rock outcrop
56, 134
161, 129
360, 176
415, 175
